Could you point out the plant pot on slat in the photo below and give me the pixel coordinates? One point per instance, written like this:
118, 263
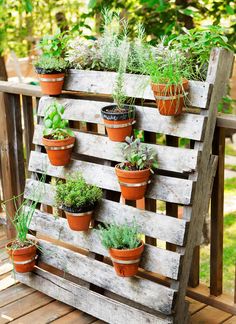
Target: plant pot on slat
118, 122
79, 220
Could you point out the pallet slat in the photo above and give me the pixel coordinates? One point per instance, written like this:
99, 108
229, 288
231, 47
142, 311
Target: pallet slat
90, 302
165, 228
186, 125
173, 159
136, 86
162, 187
154, 259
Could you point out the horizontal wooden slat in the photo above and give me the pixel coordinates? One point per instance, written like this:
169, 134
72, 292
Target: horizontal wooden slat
226, 121
186, 125
20, 88
160, 226
136, 86
163, 188
105, 308
143, 291
154, 259
169, 158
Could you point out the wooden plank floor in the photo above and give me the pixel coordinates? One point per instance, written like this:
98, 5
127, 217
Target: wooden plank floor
20, 304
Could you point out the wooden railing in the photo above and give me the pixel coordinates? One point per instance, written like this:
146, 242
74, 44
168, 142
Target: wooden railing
18, 104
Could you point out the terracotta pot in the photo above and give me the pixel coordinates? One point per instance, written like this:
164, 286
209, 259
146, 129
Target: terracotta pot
170, 99
23, 258
59, 151
133, 184
79, 221
51, 84
126, 262
118, 124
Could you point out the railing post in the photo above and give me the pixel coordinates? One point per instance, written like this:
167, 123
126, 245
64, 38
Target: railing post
217, 216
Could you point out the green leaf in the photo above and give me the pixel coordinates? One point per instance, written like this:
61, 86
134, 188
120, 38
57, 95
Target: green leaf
48, 123
69, 132
229, 10
92, 4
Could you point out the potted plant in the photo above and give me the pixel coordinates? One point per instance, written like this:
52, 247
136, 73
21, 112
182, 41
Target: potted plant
119, 117
51, 65
78, 199
169, 75
134, 173
58, 139
125, 247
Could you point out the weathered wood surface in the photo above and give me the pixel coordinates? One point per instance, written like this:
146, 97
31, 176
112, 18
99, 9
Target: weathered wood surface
155, 296
163, 188
226, 121
186, 125
105, 308
174, 159
136, 86
156, 225
154, 259
20, 88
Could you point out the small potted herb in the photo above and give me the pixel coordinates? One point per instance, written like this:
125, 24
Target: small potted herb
125, 247
169, 81
51, 65
58, 139
78, 199
119, 118
134, 173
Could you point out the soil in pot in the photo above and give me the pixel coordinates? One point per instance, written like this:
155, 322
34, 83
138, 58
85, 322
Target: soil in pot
118, 122
79, 218
126, 262
23, 257
170, 98
51, 83
59, 151
133, 184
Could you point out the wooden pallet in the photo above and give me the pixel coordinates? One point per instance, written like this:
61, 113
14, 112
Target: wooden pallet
76, 268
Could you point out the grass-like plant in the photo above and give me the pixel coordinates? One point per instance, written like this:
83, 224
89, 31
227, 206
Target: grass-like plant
76, 195
121, 237
50, 64
55, 127
138, 156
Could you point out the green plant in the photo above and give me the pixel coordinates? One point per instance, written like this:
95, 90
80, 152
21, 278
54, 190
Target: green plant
54, 45
55, 127
120, 236
45, 64
76, 194
138, 156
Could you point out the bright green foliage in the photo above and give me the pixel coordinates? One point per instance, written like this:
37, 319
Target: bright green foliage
55, 126
54, 45
138, 155
120, 236
48, 64
76, 193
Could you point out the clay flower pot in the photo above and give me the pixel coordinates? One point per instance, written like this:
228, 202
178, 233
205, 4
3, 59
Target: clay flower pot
170, 98
126, 262
23, 258
79, 221
133, 184
118, 124
51, 84
59, 151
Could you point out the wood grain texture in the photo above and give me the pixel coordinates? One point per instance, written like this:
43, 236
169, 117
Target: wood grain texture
90, 302
148, 119
174, 159
156, 225
20, 88
143, 291
136, 86
161, 187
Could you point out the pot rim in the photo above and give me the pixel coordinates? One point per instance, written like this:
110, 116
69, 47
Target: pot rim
8, 246
136, 171
134, 249
184, 81
60, 140
118, 113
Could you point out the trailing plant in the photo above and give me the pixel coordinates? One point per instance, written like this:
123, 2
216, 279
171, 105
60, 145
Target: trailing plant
120, 237
49, 64
138, 156
55, 127
76, 194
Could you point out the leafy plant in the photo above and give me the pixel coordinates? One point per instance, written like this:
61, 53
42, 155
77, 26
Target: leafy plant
48, 64
120, 236
138, 156
55, 127
54, 45
76, 194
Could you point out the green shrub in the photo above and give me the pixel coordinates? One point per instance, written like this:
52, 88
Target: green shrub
76, 194
120, 236
49, 64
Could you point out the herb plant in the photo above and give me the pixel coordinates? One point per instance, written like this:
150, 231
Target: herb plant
120, 236
77, 195
54, 45
49, 64
55, 127
138, 156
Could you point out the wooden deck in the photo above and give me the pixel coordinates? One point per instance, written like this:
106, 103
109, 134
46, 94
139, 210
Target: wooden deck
20, 304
